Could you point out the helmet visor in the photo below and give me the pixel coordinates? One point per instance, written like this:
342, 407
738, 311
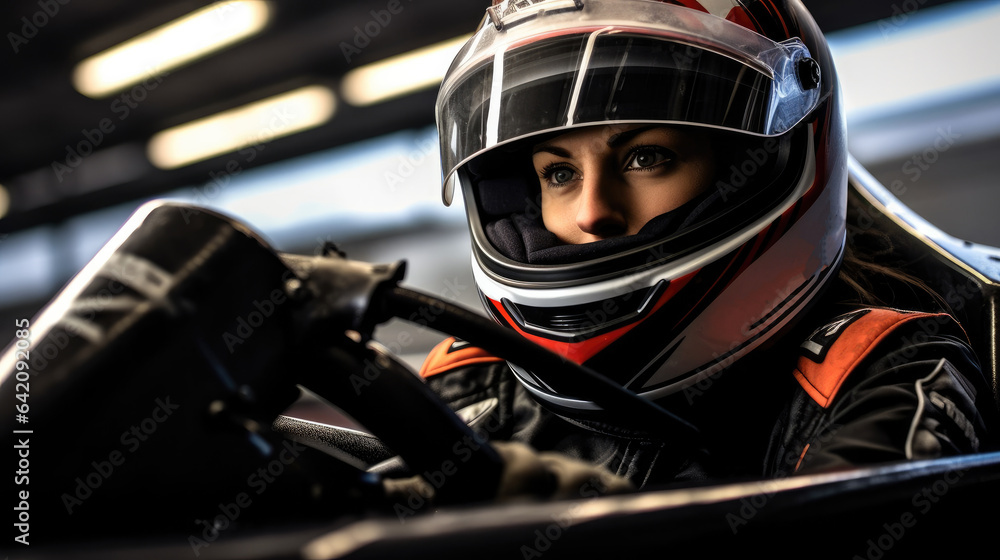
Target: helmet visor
571, 69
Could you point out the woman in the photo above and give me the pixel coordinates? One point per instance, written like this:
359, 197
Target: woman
657, 190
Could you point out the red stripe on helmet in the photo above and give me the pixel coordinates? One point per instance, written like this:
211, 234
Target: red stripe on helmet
739, 16
720, 280
693, 4
758, 248
584, 350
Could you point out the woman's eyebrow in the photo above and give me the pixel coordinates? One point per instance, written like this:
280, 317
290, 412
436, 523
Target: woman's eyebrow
613, 141
554, 150
622, 137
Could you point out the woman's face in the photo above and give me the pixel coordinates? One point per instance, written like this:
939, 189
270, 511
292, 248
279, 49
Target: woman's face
608, 181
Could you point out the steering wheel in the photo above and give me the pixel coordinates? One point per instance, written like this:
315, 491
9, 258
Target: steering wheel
157, 372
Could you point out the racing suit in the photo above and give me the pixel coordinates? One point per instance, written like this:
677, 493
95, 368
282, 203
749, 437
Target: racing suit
873, 385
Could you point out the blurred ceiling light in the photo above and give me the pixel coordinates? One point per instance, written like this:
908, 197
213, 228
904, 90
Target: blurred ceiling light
4, 201
250, 125
171, 45
399, 75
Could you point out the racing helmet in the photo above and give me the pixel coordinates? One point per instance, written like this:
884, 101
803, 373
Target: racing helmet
699, 287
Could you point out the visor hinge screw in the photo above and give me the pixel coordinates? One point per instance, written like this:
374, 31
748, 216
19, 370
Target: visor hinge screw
809, 74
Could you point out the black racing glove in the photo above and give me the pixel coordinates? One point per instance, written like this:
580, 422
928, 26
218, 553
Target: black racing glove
527, 475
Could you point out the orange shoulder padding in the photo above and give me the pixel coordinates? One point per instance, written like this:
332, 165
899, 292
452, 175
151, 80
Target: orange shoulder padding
821, 380
450, 354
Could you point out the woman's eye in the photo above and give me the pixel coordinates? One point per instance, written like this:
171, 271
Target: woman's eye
559, 175
648, 157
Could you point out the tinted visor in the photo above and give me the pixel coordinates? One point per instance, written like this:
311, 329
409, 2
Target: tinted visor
525, 85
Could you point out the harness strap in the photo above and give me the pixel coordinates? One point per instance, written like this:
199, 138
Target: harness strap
833, 351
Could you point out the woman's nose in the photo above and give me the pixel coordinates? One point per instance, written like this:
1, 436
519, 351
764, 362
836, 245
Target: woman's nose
601, 213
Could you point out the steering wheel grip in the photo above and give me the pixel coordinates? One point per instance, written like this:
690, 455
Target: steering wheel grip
386, 397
